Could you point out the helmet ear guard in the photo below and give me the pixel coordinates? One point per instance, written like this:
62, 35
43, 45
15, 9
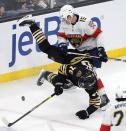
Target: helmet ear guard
65, 11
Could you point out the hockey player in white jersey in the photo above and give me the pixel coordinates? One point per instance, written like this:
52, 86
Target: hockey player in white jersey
85, 37
82, 33
115, 117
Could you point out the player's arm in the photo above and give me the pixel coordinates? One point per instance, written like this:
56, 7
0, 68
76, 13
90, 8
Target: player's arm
62, 39
94, 31
94, 105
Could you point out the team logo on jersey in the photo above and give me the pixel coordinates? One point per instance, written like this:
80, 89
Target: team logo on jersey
75, 40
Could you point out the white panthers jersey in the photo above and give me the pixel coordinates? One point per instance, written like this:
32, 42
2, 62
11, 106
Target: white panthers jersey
84, 35
115, 117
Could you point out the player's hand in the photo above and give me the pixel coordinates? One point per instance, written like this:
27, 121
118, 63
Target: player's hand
83, 114
58, 88
62, 48
102, 54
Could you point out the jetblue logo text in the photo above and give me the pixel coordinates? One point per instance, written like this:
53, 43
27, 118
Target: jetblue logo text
18, 44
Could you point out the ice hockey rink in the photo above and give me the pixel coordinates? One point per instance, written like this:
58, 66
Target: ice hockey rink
58, 113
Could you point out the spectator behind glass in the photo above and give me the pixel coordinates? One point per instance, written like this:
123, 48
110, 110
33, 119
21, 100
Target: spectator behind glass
23, 6
20, 6
2, 9
4, 12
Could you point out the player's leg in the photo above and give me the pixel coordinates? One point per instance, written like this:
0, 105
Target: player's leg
43, 44
54, 78
97, 63
101, 90
42, 77
37, 33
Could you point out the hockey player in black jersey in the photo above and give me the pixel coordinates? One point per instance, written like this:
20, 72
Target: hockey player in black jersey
74, 69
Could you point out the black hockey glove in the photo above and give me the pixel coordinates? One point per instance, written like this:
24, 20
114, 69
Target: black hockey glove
62, 47
58, 88
102, 54
83, 114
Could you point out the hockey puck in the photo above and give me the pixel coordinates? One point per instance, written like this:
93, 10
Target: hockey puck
23, 98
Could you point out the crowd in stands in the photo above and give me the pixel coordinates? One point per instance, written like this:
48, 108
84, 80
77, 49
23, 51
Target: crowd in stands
16, 7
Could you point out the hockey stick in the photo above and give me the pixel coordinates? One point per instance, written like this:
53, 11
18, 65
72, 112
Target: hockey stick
116, 59
5, 121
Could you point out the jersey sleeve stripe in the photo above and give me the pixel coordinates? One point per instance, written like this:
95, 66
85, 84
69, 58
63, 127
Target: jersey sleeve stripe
85, 37
96, 33
62, 35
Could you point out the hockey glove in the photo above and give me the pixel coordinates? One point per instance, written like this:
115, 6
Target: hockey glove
62, 49
102, 54
83, 114
58, 88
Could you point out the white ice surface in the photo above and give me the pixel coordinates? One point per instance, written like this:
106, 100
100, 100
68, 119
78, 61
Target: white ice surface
58, 113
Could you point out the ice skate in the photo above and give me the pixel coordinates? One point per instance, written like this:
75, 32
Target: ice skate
26, 21
41, 77
104, 102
